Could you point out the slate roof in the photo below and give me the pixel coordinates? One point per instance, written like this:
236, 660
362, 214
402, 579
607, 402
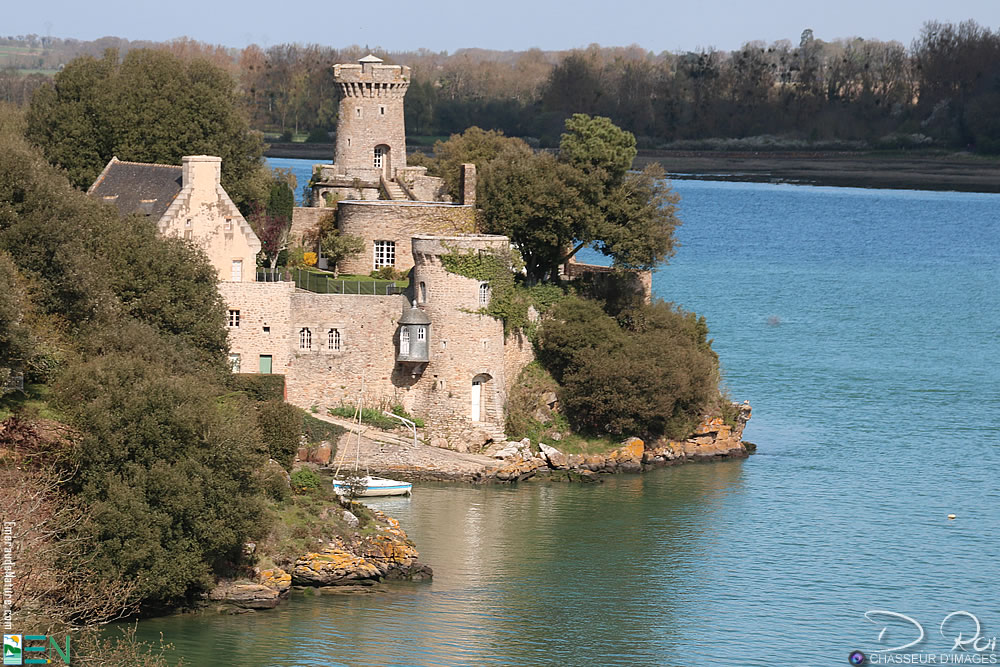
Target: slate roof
138, 187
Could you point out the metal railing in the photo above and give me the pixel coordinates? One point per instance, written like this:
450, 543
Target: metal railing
278, 276
325, 284
406, 422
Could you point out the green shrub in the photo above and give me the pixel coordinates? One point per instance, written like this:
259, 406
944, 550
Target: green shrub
280, 426
259, 386
400, 412
317, 430
305, 480
651, 373
318, 135
388, 273
369, 416
274, 483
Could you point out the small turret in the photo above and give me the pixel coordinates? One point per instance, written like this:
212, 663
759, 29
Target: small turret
414, 336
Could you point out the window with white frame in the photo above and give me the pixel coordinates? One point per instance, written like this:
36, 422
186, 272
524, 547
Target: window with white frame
333, 340
404, 341
305, 339
378, 157
234, 362
237, 272
385, 254
484, 294
234, 318
421, 334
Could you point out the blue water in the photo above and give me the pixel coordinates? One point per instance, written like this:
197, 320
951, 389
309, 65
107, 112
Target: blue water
864, 326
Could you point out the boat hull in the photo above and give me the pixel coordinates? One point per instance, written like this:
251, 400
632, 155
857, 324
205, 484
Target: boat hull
376, 486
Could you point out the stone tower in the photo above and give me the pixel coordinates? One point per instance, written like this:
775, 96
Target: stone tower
371, 137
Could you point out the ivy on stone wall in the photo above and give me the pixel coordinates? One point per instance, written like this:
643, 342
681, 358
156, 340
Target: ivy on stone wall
509, 300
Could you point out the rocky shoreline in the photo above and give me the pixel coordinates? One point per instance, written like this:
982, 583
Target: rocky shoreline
360, 563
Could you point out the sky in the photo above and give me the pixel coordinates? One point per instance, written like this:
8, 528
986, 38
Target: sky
449, 25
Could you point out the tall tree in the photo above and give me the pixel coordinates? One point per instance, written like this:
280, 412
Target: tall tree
150, 107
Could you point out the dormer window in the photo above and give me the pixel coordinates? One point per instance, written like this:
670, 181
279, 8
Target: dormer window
229, 225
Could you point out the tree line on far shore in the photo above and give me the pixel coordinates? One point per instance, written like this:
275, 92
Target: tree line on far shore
941, 90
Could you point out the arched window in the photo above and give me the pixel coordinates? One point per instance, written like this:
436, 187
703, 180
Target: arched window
333, 340
404, 341
305, 339
484, 294
423, 292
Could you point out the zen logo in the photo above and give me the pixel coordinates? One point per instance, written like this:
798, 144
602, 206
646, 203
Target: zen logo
31, 650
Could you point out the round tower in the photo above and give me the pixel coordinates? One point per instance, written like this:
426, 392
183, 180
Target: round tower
371, 136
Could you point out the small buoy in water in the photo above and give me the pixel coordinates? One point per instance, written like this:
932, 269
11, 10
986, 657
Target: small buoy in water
951, 516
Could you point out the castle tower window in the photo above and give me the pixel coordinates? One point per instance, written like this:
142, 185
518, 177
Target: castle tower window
305, 339
421, 334
404, 342
381, 110
385, 254
358, 111
333, 340
234, 318
484, 294
234, 362
423, 292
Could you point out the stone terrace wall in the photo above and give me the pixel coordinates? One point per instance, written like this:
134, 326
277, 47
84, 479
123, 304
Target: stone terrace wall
398, 222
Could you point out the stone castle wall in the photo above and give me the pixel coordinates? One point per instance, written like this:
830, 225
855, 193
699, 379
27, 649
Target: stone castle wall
397, 222
327, 377
305, 220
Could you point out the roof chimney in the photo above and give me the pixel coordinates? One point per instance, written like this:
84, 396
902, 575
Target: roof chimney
467, 186
201, 172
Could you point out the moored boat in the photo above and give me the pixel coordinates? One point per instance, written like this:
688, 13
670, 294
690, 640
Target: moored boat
373, 486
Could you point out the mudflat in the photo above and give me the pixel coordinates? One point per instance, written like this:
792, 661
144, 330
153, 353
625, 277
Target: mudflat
960, 172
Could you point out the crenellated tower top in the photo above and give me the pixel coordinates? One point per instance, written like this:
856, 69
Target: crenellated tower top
371, 137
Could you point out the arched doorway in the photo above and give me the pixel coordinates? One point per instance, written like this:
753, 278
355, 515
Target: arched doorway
381, 160
477, 405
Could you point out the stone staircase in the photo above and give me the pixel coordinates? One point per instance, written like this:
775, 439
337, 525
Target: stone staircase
395, 192
372, 433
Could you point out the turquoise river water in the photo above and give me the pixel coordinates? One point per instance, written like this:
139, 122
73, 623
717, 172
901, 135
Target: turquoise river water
864, 327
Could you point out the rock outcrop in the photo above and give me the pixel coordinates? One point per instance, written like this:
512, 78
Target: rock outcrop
712, 439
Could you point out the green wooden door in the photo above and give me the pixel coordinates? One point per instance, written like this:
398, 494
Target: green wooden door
265, 363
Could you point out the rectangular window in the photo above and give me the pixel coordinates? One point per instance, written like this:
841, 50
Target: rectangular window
229, 225
381, 111
385, 254
265, 363
484, 294
234, 362
237, 275
234, 318
378, 157
357, 111
421, 333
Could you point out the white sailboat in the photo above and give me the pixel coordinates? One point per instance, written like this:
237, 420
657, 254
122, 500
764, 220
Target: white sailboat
365, 486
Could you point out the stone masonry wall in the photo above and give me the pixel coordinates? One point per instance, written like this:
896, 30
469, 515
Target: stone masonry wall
398, 222
327, 377
305, 219
264, 311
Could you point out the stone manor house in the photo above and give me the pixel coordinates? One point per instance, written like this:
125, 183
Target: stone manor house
428, 349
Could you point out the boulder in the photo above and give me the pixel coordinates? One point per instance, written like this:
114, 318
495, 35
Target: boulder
277, 579
509, 451
632, 449
351, 520
302, 454
333, 566
553, 456
321, 454
246, 595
